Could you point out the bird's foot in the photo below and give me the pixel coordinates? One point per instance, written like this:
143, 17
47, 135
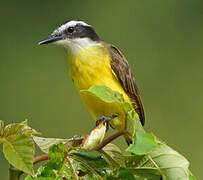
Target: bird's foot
105, 120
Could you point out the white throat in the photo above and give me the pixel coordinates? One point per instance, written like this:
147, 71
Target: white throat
74, 46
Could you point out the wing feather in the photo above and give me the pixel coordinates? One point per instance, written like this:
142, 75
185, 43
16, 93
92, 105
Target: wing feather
124, 74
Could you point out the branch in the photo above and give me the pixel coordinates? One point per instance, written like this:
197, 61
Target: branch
40, 158
109, 139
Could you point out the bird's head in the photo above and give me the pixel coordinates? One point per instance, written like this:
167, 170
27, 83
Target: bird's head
73, 35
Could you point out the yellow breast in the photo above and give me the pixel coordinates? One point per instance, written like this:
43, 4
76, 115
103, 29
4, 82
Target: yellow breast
92, 67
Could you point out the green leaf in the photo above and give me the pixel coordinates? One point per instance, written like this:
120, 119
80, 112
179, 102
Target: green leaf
137, 174
133, 123
18, 147
58, 165
91, 160
125, 174
67, 172
39, 178
142, 144
1, 128
57, 154
46, 171
145, 174
19, 151
136, 164
104, 93
91, 154
107, 95
113, 156
132, 161
27, 130
45, 143
162, 161
191, 176
18, 128
170, 163
13, 129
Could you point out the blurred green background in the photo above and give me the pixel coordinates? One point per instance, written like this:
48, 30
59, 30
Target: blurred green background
162, 40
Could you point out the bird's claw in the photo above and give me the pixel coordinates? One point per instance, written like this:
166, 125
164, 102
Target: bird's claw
105, 120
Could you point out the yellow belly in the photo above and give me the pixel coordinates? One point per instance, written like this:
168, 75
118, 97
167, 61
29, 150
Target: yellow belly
92, 67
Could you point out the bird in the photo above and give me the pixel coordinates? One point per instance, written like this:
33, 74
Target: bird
95, 62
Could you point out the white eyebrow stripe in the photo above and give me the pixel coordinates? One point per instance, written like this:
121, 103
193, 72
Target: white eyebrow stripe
69, 24
73, 23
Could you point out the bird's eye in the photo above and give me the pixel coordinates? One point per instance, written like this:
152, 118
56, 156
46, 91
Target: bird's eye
70, 29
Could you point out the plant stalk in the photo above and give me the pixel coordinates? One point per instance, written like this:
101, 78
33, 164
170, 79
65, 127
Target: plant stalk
14, 174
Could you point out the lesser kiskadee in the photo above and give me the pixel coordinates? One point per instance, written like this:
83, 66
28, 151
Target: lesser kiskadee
94, 62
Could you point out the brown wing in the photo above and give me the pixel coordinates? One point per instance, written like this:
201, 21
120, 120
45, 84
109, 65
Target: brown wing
122, 70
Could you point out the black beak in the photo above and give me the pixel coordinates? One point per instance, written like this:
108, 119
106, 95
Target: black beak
50, 39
